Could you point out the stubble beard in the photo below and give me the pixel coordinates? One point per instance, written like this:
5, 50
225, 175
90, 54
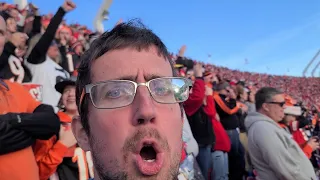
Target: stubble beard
112, 170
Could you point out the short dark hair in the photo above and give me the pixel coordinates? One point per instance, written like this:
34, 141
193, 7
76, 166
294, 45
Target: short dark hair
264, 95
132, 34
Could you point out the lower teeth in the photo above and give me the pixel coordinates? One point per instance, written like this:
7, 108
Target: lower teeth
149, 160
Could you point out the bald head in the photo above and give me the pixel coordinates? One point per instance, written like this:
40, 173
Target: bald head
2, 33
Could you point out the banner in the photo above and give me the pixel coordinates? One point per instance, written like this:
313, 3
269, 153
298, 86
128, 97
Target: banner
35, 90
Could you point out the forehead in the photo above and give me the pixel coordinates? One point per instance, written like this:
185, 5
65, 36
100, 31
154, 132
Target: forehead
130, 64
65, 31
69, 87
53, 47
278, 98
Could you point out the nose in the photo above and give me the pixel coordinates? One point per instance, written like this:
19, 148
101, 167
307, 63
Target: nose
143, 104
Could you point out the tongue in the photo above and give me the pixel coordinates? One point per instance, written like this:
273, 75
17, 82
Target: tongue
148, 153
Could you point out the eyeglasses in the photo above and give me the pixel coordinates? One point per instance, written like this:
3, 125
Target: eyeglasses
120, 93
281, 104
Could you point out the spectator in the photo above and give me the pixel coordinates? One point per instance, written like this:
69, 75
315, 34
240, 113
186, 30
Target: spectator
141, 135
56, 156
227, 109
274, 154
200, 122
219, 152
292, 126
22, 121
42, 60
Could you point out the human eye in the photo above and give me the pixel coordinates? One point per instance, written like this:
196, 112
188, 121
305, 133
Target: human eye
116, 92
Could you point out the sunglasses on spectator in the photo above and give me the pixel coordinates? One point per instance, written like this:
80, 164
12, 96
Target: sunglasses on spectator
120, 93
281, 104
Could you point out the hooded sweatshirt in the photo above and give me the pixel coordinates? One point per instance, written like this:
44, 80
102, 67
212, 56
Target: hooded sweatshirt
274, 154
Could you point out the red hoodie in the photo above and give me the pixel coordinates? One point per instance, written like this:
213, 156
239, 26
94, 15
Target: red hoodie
192, 105
222, 139
195, 99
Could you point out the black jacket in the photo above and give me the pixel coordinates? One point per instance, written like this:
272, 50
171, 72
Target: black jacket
20, 130
228, 121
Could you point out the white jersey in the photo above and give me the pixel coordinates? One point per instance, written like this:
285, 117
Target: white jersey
48, 74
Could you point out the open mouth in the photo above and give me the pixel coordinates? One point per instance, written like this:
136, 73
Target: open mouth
148, 153
149, 157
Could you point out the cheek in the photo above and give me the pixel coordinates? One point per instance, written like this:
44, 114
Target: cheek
2, 40
172, 126
109, 129
64, 99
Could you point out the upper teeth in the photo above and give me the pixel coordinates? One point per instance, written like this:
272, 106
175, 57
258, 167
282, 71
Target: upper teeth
149, 160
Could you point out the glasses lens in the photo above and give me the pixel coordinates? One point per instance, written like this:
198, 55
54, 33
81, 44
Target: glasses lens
169, 90
112, 94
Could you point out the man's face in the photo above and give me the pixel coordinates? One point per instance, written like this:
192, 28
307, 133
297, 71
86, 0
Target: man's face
53, 52
65, 34
14, 13
2, 34
276, 111
11, 25
245, 95
208, 78
142, 140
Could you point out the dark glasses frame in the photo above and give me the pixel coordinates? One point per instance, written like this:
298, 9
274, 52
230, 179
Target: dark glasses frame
281, 104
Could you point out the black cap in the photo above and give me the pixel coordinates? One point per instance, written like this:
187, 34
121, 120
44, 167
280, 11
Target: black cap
63, 84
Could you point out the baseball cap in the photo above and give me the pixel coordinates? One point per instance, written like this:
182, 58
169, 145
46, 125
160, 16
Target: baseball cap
63, 84
293, 110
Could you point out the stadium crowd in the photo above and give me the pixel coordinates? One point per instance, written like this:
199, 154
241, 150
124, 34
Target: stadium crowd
42, 57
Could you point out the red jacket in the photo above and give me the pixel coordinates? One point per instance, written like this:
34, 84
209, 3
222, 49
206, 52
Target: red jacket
222, 139
299, 137
195, 99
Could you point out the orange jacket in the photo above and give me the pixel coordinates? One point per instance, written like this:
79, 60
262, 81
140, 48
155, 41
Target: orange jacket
19, 164
50, 153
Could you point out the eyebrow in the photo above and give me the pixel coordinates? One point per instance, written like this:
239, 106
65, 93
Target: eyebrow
147, 77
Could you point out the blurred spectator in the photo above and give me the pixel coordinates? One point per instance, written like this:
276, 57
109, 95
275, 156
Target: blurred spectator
226, 106
55, 157
200, 121
274, 154
43, 59
22, 121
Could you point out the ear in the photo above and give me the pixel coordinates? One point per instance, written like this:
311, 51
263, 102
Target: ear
80, 134
265, 107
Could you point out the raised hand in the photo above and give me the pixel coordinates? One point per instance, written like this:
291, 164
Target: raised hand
66, 136
68, 6
182, 50
197, 69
